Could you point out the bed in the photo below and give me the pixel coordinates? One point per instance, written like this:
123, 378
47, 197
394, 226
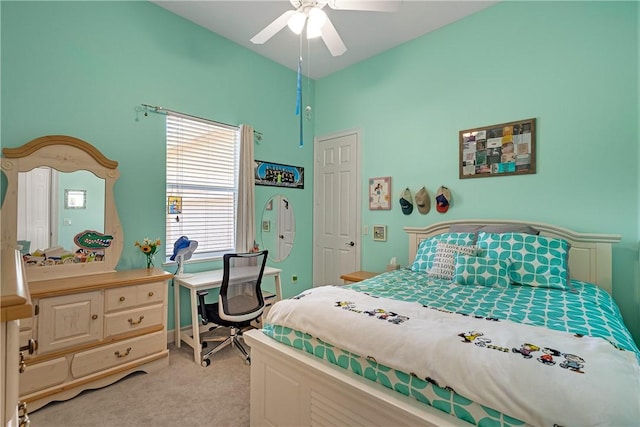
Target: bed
491, 323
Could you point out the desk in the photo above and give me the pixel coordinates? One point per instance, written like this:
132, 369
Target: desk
211, 279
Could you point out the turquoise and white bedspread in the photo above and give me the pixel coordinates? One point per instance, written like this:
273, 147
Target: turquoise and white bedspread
588, 311
478, 353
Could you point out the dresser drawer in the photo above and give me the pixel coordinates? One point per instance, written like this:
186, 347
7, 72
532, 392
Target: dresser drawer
132, 296
131, 320
43, 375
98, 359
26, 323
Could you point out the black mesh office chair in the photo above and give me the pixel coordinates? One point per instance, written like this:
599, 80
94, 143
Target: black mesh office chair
239, 303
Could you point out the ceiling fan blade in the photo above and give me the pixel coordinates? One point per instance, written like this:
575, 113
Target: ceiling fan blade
332, 39
366, 5
270, 30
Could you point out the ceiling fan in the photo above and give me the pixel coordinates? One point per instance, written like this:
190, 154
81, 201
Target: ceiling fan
310, 12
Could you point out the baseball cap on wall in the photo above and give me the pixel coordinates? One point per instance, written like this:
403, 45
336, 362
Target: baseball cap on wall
422, 201
406, 202
443, 199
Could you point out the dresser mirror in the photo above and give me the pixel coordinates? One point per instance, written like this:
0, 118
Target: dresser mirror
59, 208
278, 227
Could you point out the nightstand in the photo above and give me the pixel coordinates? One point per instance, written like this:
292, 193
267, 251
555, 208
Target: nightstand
357, 276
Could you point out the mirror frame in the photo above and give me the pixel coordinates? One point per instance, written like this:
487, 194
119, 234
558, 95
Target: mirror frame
272, 227
65, 154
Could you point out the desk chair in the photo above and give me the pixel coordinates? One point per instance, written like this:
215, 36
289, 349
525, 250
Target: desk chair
239, 303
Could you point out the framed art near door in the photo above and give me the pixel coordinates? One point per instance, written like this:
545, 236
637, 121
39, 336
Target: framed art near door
498, 150
380, 193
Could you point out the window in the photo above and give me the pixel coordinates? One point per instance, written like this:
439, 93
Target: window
202, 184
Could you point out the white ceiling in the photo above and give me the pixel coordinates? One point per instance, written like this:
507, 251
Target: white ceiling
365, 34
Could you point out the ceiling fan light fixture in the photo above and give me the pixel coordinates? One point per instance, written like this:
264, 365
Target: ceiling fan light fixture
317, 17
296, 22
313, 32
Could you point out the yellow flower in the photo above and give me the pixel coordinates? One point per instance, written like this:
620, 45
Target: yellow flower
149, 248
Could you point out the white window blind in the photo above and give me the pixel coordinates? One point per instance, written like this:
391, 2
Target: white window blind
202, 170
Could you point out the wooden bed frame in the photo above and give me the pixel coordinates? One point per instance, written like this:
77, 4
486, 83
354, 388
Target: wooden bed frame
292, 388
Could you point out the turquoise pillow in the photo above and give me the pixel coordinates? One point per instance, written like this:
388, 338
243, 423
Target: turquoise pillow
473, 270
535, 260
428, 247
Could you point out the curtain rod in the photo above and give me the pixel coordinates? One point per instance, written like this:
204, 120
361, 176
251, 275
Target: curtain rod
160, 110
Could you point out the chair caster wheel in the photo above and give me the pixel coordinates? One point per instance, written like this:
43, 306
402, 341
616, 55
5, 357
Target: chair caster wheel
206, 362
247, 361
204, 344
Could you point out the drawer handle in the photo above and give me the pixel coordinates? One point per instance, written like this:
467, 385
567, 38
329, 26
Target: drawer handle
150, 294
136, 322
94, 317
117, 353
31, 346
23, 415
122, 299
22, 366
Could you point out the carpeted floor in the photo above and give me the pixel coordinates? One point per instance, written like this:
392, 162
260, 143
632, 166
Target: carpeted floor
184, 394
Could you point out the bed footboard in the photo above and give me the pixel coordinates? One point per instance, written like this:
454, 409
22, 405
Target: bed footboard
292, 388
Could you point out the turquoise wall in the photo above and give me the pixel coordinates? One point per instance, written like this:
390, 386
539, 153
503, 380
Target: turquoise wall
82, 68
571, 65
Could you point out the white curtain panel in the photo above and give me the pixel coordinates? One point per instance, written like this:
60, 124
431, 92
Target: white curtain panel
246, 220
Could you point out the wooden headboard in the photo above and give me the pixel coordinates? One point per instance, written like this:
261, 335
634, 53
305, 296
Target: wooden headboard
589, 256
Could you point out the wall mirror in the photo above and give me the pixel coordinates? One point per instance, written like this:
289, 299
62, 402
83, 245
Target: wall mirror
59, 208
278, 227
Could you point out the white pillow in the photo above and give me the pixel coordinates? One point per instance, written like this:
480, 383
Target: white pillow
444, 261
427, 248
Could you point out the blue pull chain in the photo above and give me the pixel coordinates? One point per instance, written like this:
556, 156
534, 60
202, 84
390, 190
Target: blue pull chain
299, 99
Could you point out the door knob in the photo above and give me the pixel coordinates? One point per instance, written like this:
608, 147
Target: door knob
350, 244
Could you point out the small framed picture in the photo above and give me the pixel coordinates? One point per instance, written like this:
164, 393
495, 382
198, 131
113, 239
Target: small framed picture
174, 205
266, 225
75, 199
380, 233
380, 193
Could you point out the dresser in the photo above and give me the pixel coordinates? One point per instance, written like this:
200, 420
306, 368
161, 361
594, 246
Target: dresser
15, 304
92, 331
81, 324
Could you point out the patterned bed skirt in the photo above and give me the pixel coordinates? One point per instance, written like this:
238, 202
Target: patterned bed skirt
423, 391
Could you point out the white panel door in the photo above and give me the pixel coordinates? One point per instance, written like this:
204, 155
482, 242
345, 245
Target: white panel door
34, 196
336, 207
286, 226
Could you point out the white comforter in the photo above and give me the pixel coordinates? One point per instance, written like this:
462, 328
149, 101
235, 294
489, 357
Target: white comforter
540, 376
